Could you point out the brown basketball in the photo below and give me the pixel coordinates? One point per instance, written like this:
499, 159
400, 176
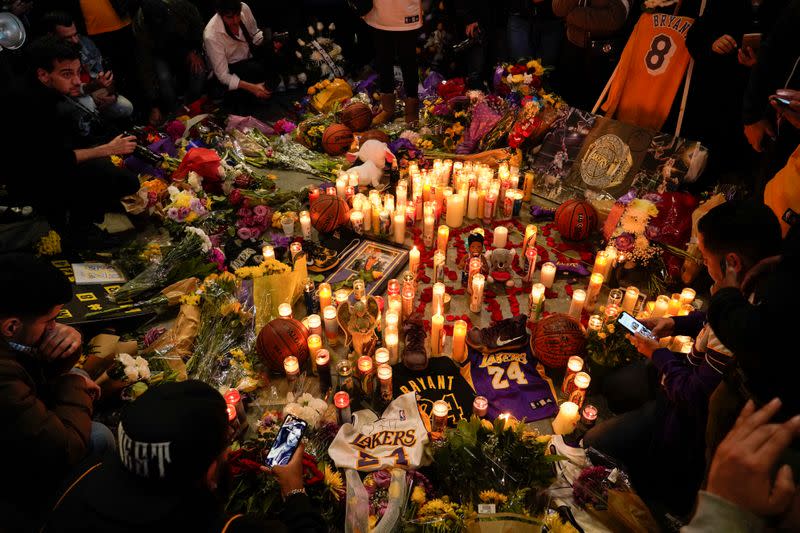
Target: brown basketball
337, 139
281, 338
378, 135
357, 116
576, 219
557, 338
328, 213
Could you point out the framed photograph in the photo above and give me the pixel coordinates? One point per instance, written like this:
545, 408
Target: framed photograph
368, 259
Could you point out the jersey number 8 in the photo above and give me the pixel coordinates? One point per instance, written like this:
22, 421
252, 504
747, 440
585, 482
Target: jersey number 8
657, 57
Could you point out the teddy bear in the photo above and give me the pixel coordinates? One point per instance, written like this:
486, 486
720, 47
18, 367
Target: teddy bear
374, 154
500, 266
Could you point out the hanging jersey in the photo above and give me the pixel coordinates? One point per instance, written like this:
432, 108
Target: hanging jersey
513, 382
396, 439
650, 71
442, 380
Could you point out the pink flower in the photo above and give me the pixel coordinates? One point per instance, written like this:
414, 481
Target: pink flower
244, 234
172, 213
260, 211
235, 197
244, 212
255, 233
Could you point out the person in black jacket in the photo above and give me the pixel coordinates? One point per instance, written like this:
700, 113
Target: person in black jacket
485, 25
169, 473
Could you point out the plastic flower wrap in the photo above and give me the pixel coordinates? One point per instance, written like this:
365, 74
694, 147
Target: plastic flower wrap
484, 118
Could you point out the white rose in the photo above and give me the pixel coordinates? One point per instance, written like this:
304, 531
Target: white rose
131, 374
173, 192
195, 181
331, 26
320, 26
126, 359
310, 30
144, 372
302, 77
319, 405
301, 42
292, 409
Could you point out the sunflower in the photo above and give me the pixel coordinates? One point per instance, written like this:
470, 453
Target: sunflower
492, 496
437, 507
333, 480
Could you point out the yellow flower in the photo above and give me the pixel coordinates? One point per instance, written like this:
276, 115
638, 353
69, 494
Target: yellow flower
237, 353
50, 244
250, 272
537, 67
190, 299
610, 328
230, 308
418, 495
227, 277
333, 480
437, 507
272, 177
491, 496
373, 521
517, 78
602, 335
458, 128
117, 160
460, 114
311, 91
487, 425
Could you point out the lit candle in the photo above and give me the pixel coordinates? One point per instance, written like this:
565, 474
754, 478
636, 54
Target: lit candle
352, 179
440, 412
366, 212
341, 296
382, 356
401, 190
357, 222
292, 368
611, 313
611, 254
427, 231
589, 415
685, 343
305, 224
472, 204
581, 381
443, 235
629, 301
314, 346
530, 255
437, 325
438, 266
295, 249
548, 274
455, 211
408, 300
614, 298
324, 291
595, 284
480, 405
530, 237
476, 302
661, 306
687, 296
314, 325
375, 219
392, 320
600, 263
413, 261
475, 266
500, 238
323, 362
342, 402
536, 301
285, 310
686, 309
331, 326
567, 419
345, 380
459, 351
365, 375
393, 287
574, 365
400, 225
595, 323
674, 305
391, 345
576, 306
268, 252
437, 303
341, 187
385, 379
232, 397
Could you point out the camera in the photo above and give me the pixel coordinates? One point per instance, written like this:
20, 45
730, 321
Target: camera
143, 152
468, 43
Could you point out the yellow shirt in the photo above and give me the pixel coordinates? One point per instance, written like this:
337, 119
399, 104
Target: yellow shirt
100, 17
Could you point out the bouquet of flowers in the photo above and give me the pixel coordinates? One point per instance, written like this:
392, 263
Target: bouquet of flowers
185, 206
609, 347
305, 406
320, 54
251, 223
520, 79
184, 260
124, 371
626, 230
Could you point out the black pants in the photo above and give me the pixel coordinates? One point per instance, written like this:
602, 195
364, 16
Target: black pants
400, 44
581, 75
117, 48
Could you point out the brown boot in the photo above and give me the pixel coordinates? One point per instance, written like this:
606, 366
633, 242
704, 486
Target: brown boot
387, 110
412, 112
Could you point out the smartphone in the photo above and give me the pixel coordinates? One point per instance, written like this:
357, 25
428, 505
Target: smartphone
783, 102
753, 40
633, 326
287, 441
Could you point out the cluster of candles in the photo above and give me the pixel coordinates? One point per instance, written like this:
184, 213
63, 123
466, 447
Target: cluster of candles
574, 387
237, 417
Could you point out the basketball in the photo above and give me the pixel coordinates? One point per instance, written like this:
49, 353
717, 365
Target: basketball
576, 219
281, 338
357, 116
556, 338
337, 139
328, 213
378, 135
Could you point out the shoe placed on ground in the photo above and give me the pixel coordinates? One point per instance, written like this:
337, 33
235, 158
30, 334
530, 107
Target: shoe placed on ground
319, 258
507, 334
415, 355
387, 110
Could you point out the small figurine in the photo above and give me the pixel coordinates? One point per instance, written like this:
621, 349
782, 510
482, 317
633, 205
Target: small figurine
359, 321
500, 266
475, 241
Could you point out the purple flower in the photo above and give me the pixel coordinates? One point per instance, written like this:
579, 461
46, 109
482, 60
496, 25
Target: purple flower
218, 258
382, 478
280, 241
172, 213
260, 211
183, 212
243, 233
624, 242
152, 335
196, 204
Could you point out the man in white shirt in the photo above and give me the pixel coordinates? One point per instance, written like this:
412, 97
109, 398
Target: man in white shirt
230, 39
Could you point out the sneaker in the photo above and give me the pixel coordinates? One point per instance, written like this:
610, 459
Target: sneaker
507, 334
415, 355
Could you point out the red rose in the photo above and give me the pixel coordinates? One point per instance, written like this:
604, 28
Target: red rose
448, 89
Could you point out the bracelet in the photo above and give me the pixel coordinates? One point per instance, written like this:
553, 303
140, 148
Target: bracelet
293, 492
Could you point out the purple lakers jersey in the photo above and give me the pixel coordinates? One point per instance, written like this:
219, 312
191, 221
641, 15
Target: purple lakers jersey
513, 381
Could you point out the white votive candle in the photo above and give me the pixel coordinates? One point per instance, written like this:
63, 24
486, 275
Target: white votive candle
576, 306
567, 419
548, 274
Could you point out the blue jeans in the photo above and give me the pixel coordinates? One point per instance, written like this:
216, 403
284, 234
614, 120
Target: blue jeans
519, 37
101, 440
168, 83
536, 38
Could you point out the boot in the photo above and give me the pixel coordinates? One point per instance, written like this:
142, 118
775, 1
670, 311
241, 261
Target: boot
412, 112
415, 355
387, 109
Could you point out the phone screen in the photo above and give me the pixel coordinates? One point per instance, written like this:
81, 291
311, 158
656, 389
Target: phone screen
634, 326
286, 442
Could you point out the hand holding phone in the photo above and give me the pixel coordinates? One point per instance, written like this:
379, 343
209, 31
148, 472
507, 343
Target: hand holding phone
286, 442
633, 326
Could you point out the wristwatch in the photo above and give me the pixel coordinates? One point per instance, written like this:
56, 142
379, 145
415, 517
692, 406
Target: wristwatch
293, 492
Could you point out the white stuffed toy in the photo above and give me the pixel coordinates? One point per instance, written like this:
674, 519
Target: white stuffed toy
374, 154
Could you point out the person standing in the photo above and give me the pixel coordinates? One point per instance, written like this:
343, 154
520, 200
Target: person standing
395, 27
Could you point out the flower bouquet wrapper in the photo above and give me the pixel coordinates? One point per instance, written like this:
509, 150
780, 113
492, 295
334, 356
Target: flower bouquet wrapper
502, 523
204, 161
103, 350
337, 92
242, 123
489, 157
176, 343
272, 290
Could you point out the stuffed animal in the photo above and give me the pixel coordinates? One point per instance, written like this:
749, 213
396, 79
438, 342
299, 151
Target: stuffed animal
500, 266
376, 153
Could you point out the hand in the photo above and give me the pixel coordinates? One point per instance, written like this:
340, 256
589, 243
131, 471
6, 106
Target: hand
60, 343
724, 45
121, 145
645, 345
759, 269
742, 469
471, 29
196, 63
102, 99
105, 80
747, 57
290, 476
661, 327
791, 112
259, 90
755, 133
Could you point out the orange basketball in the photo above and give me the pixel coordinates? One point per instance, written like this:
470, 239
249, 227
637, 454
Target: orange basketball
576, 219
281, 338
557, 338
328, 213
337, 139
357, 116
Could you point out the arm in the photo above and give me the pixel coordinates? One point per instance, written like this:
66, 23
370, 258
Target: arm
119, 145
686, 386
592, 19
250, 23
215, 51
303, 517
562, 8
690, 324
717, 514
